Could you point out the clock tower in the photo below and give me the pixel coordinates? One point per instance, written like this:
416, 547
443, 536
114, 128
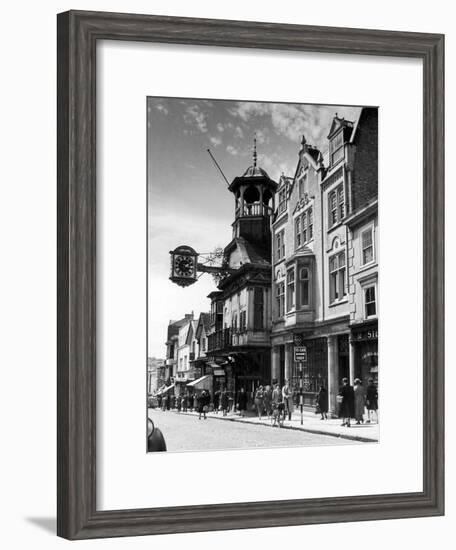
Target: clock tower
254, 195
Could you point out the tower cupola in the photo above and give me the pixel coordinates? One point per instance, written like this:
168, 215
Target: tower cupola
254, 195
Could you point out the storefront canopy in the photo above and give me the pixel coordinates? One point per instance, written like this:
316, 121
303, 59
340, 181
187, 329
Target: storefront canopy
203, 383
164, 390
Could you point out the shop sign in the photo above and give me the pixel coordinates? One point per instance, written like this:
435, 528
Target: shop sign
365, 335
300, 354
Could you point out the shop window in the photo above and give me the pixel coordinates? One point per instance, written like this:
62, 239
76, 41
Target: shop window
290, 289
280, 298
304, 282
337, 290
367, 243
370, 305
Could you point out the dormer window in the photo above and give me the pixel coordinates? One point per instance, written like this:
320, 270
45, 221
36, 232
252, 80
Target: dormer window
336, 148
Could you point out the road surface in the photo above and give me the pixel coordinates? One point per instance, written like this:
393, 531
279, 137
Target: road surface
185, 432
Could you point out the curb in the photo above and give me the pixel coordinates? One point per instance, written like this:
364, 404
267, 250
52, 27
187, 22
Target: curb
315, 431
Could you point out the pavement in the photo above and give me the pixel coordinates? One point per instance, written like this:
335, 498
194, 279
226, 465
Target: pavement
311, 423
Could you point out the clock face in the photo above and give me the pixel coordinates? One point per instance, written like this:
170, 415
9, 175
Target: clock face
183, 266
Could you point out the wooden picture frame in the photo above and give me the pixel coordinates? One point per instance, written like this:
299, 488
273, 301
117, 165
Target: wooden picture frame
78, 33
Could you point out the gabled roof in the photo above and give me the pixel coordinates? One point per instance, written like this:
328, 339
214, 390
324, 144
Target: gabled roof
204, 322
338, 123
364, 112
249, 253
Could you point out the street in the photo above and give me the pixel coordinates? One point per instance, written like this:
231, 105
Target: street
184, 432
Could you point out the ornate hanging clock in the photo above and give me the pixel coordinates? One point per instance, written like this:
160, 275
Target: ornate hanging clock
183, 265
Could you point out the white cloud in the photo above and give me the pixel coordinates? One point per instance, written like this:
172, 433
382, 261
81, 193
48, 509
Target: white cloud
220, 127
195, 117
216, 141
232, 150
160, 107
292, 120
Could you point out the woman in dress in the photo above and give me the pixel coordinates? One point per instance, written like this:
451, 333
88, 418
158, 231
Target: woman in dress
259, 401
322, 402
347, 405
267, 401
242, 402
360, 399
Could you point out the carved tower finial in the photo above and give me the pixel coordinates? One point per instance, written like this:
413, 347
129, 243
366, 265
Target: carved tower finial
254, 150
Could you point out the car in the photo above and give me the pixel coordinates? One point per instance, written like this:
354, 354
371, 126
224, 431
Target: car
155, 439
152, 401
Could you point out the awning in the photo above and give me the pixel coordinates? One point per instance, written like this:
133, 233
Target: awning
164, 390
203, 383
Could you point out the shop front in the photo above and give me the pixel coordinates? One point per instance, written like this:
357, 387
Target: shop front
314, 371
364, 339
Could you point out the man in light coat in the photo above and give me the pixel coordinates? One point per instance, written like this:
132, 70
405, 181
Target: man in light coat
287, 395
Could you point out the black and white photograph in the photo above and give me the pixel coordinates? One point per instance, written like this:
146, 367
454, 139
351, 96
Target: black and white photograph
263, 260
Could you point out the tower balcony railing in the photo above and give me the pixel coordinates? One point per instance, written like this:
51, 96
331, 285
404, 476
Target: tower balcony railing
253, 209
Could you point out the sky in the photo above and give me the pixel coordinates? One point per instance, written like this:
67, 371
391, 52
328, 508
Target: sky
188, 199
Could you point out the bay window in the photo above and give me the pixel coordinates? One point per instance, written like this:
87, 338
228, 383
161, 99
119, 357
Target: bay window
290, 289
304, 283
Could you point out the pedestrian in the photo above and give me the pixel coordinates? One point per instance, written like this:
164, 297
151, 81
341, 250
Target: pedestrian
202, 405
224, 402
322, 403
347, 402
360, 400
278, 406
195, 402
216, 401
159, 401
371, 400
259, 401
242, 402
287, 399
178, 403
267, 401
184, 402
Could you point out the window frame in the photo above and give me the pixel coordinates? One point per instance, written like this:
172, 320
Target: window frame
280, 245
369, 228
336, 205
307, 281
304, 227
366, 288
339, 279
280, 298
333, 150
291, 289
